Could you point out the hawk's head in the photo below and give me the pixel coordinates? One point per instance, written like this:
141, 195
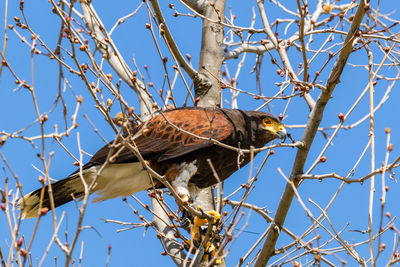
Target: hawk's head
274, 126
266, 127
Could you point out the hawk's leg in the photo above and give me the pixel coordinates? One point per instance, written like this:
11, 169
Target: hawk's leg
186, 220
198, 234
179, 176
202, 199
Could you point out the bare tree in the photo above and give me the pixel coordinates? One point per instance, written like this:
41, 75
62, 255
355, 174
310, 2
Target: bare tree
327, 68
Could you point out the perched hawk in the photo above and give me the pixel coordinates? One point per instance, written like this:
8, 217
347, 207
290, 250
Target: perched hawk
179, 144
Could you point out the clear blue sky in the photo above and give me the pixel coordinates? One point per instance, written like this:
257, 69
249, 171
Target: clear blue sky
141, 248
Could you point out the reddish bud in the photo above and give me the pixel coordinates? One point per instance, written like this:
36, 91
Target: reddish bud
386, 188
3, 206
341, 116
322, 159
150, 84
159, 235
44, 211
278, 71
148, 26
41, 180
19, 242
23, 252
387, 130
271, 152
280, 117
390, 147
388, 214
164, 253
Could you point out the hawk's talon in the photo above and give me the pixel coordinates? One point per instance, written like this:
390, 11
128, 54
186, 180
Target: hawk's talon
198, 233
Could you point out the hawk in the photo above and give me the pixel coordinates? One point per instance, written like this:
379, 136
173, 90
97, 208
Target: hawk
184, 145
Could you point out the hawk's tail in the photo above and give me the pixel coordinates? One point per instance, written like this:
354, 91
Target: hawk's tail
64, 191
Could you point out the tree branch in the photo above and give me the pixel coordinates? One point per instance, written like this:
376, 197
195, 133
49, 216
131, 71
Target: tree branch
200, 6
207, 82
281, 49
308, 137
169, 40
114, 58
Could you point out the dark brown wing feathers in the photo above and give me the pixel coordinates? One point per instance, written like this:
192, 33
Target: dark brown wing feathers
165, 136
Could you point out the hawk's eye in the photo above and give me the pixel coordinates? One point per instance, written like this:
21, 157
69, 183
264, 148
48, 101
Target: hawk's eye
267, 121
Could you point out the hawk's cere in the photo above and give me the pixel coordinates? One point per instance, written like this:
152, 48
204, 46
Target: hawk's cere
179, 144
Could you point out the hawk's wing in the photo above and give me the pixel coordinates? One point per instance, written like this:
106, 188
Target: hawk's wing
166, 136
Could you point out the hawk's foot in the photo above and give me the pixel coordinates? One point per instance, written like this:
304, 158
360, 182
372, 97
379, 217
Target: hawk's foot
198, 234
